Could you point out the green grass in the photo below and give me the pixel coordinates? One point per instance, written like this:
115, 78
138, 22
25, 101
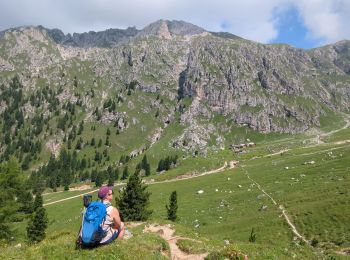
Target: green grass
331, 121
61, 245
314, 195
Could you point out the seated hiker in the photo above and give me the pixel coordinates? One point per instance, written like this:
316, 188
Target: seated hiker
113, 224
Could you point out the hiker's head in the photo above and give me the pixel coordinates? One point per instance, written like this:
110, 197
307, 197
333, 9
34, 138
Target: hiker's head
105, 192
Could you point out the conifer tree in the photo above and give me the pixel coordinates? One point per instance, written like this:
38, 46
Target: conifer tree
172, 207
10, 184
110, 181
26, 199
160, 165
148, 169
38, 223
38, 201
116, 174
144, 162
125, 173
134, 200
99, 180
111, 176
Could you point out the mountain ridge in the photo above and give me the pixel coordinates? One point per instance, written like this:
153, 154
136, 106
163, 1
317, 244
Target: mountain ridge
113, 36
234, 76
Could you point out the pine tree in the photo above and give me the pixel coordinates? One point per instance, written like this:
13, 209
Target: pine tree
125, 173
144, 162
26, 162
111, 176
134, 200
38, 201
10, 184
160, 165
172, 207
116, 174
37, 226
26, 199
110, 181
99, 180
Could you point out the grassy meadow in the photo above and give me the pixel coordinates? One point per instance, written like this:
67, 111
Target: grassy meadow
310, 180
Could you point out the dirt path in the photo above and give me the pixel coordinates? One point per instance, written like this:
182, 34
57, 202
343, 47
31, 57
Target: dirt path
178, 178
276, 153
284, 212
167, 233
69, 198
318, 140
195, 175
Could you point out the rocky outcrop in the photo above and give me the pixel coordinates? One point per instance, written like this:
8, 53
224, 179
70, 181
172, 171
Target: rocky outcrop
270, 88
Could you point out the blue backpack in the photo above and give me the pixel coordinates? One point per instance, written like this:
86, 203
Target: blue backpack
93, 219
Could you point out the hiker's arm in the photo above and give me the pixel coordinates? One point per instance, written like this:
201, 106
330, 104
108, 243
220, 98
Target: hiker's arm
116, 218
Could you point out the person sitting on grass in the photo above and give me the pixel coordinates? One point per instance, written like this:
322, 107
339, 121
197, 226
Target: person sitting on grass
113, 224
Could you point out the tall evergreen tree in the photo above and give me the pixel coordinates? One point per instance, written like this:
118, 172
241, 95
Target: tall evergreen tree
99, 179
25, 198
116, 174
172, 207
134, 200
10, 184
146, 166
38, 201
125, 173
147, 169
37, 225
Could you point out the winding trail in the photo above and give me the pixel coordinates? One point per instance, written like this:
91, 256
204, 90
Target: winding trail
317, 140
69, 198
280, 207
167, 233
187, 176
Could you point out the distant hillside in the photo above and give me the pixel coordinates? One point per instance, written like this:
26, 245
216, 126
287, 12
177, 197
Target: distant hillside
111, 95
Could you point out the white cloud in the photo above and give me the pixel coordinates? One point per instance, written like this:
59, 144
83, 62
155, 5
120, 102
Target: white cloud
251, 19
326, 20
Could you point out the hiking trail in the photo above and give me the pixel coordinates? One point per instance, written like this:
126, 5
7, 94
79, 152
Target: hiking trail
280, 207
167, 233
186, 176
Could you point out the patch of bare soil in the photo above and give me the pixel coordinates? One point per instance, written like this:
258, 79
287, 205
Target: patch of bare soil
83, 187
133, 224
167, 233
344, 251
233, 164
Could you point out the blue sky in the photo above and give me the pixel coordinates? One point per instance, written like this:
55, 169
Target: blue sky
301, 23
291, 30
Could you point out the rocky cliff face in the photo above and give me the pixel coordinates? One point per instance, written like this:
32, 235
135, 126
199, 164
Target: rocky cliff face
270, 88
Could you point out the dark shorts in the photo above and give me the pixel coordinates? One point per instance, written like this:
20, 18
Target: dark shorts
114, 236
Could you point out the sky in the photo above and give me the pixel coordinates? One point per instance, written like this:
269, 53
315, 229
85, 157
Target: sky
300, 23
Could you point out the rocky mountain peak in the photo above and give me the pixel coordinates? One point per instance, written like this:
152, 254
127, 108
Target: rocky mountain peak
37, 33
164, 31
166, 28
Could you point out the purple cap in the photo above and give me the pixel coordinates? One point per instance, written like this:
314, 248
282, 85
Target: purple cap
103, 191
